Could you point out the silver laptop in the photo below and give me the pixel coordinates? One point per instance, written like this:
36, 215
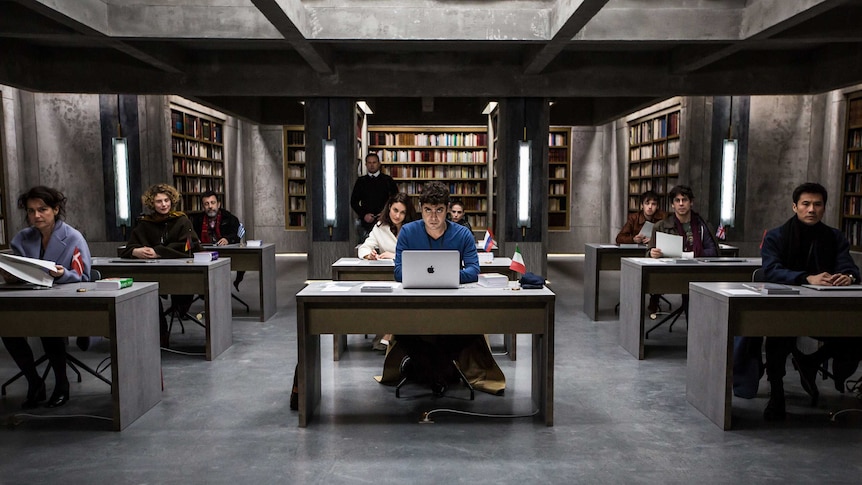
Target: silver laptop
430, 269
834, 288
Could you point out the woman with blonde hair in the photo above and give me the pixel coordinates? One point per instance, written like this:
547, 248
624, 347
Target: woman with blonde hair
163, 233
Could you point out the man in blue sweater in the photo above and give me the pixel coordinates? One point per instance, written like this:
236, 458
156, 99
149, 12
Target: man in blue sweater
434, 232
427, 359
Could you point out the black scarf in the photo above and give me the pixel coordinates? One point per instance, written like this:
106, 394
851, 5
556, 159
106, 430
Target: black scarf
808, 248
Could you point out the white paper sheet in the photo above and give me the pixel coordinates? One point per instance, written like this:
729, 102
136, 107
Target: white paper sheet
670, 245
646, 231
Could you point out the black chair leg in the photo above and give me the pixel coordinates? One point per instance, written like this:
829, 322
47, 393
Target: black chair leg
464, 380
247, 310
20, 375
73, 361
672, 315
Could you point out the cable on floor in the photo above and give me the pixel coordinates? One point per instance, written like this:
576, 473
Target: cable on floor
180, 352
426, 416
17, 419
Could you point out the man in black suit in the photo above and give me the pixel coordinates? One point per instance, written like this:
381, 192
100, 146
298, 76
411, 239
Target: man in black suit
215, 225
370, 194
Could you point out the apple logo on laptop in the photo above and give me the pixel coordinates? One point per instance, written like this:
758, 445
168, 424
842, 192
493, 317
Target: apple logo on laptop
430, 270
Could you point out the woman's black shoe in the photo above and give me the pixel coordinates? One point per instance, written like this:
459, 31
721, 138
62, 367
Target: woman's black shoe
59, 397
35, 395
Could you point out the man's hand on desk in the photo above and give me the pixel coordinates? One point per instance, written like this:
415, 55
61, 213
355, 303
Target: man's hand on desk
826, 279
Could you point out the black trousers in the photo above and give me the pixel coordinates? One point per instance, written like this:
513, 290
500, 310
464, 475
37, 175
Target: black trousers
22, 354
843, 349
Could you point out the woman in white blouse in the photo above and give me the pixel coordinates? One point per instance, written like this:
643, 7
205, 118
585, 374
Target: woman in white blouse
380, 243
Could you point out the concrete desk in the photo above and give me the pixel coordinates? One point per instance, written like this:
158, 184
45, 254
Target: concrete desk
641, 276
468, 310
254, 258
211, 280
726, 310
598, 258
356, 269
606, 257
128, 317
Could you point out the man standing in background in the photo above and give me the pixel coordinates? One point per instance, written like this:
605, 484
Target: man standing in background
370, 194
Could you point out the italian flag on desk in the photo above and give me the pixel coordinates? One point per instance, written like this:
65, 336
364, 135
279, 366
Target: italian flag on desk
518, 262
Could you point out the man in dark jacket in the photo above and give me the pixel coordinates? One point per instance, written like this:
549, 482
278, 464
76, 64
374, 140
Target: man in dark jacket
215, 225
370, 194
805, 251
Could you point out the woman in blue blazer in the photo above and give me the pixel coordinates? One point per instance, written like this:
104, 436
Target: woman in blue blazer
48, 238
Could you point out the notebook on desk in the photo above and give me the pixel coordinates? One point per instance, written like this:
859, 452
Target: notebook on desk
430, 269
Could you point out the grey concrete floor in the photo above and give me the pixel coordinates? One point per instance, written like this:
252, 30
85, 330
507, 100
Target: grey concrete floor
617, 420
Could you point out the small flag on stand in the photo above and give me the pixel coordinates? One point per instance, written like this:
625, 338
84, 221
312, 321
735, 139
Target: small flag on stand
240, 232
721, 233
188, 242
488, 243
762, 238
518, 262
77, 262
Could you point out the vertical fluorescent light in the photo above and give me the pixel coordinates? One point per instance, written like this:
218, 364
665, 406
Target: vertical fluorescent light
524, 164
728, 182
121, 174
329, 183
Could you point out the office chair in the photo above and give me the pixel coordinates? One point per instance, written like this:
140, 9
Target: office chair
71, 361
239, 276
661, 299
439, 392
672, 316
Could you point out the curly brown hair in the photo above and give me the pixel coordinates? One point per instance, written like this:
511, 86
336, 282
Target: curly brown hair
149, 196
434, 193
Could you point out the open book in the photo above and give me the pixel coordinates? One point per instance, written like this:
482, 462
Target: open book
30, 270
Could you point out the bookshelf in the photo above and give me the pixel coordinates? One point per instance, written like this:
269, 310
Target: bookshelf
654, 156
294, 178
197, 148
454, 155
851, 193
559, 172
493, 150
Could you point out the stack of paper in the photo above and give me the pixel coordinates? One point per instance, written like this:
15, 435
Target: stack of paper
493, 280
30, 270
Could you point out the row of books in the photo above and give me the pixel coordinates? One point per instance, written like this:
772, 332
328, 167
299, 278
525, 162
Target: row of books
295, 138
854, 160
198, 185
853, 205
296, 220
655, 129
296, 203
296, 171
556, 204
188, 125
433, 156
429, 139
557, 139
3, 232
557, 188
478, 221
189, 166
853, 230
558, 156
557, 172
295, 188
294, 155
196, 149
455, 188
853, 182
654, 169
438, 172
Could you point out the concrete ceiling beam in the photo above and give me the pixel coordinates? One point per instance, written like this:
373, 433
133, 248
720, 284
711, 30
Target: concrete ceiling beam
576, 15
279, 12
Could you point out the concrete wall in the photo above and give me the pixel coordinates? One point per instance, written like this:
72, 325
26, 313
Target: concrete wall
54, 139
